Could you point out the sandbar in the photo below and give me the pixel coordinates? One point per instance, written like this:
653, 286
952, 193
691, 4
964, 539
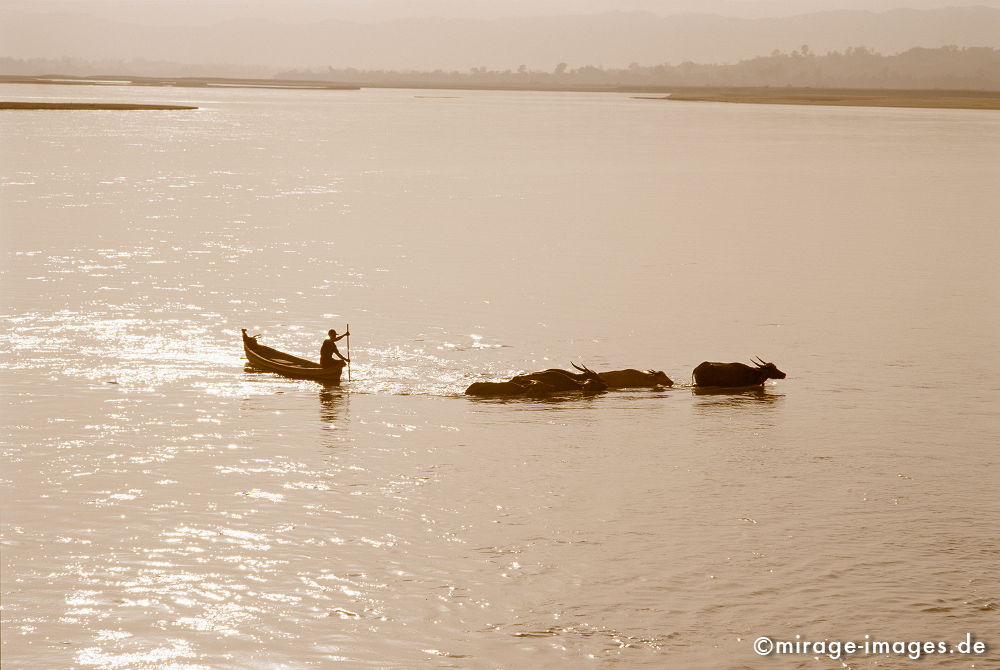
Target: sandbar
178, 82
86, 105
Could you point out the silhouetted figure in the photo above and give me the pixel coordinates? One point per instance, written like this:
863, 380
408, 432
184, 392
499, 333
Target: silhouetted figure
329, 349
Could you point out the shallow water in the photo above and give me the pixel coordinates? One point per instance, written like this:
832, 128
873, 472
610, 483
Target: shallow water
167, 508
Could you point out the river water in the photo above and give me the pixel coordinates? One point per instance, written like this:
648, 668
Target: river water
166, 508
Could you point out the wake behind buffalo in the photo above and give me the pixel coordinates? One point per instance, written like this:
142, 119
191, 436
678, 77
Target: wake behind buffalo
585, 380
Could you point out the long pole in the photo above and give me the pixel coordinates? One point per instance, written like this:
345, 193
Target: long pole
348, 352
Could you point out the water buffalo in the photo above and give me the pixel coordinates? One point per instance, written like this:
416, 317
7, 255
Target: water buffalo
630, 378
586, 380
511, 388
735, 374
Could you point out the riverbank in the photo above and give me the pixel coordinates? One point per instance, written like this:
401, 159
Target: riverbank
936, 99
853, 97
87, 105
178, 82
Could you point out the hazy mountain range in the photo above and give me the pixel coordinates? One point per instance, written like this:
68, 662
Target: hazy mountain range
613, 39
205, 12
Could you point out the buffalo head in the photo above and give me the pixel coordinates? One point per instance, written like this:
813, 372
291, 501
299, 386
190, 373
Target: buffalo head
589, 380
770, 370
660, 377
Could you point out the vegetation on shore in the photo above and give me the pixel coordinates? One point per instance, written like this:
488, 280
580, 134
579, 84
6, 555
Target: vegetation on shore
950, 67
948, 77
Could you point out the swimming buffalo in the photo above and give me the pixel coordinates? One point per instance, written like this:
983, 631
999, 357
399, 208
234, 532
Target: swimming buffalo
586, 380
735, 374
493, 389
630, 378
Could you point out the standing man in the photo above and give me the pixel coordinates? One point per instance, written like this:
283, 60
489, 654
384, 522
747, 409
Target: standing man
329, 349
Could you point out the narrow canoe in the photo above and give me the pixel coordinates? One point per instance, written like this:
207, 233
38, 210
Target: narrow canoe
272, 360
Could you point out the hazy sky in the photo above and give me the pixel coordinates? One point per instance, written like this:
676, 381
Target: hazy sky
202, 11
460, 34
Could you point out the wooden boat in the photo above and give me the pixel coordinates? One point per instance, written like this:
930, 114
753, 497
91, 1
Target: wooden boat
272, 360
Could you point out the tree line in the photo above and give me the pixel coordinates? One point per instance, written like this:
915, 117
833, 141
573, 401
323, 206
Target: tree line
948, 67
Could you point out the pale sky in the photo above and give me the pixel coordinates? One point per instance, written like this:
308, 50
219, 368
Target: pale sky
461, 34
175, 12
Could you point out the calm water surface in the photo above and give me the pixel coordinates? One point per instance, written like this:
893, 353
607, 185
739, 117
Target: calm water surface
166, 508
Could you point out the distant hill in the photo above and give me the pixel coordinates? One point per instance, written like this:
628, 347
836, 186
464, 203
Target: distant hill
608, 40
207, 12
